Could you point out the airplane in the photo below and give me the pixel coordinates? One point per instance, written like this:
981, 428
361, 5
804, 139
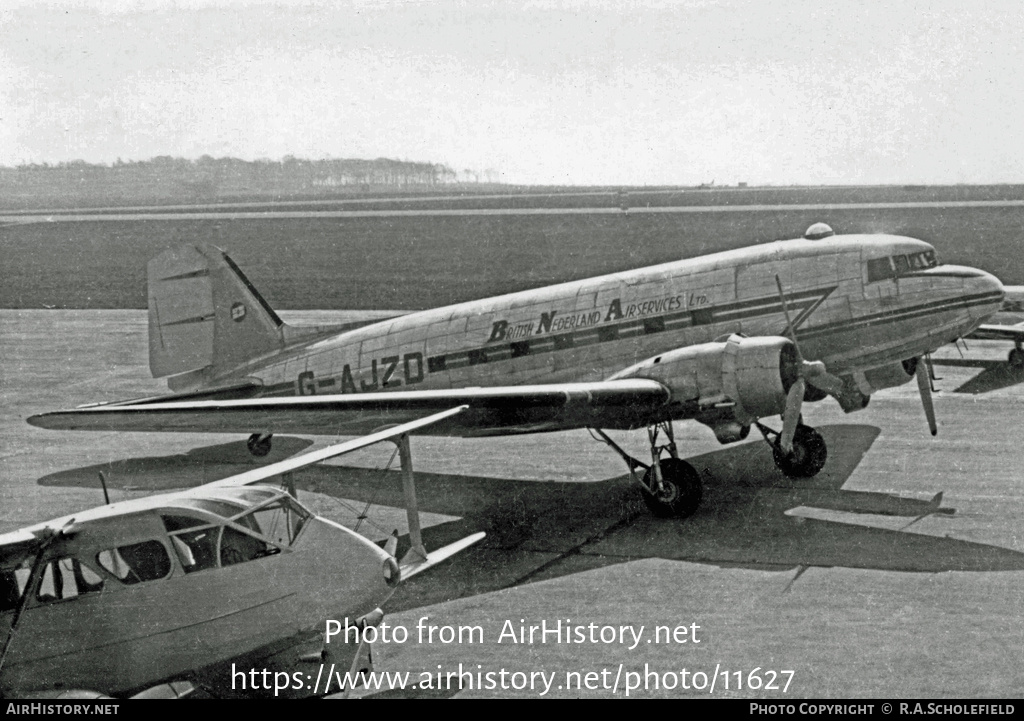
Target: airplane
1012, 309
160, 596
727, 339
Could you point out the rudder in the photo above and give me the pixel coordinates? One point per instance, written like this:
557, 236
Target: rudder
204, 313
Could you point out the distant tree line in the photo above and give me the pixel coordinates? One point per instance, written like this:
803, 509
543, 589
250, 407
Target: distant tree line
379, 172
169, 178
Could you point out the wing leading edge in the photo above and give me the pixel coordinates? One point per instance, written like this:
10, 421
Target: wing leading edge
627, 403
999, 332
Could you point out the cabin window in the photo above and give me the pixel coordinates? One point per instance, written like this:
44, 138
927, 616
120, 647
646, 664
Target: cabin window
146, 561
197, 550
280, 521
67, 578
179, 523
879, 269
239, 547
12, 586
902, 264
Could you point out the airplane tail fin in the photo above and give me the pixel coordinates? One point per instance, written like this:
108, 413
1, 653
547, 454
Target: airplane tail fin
205, 316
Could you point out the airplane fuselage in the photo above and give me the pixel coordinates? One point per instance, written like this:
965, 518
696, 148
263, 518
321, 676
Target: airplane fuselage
849, 312
127, 602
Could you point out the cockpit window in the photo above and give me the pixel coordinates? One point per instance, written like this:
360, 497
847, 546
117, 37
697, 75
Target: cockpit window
200, 549
902, 264
280, 521
920, 261
880, 269
174, 522
197, 550
238, 547
67, 578
897, 265
146, 561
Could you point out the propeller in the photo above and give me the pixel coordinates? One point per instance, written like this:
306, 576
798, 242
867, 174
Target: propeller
812, 372
924, 385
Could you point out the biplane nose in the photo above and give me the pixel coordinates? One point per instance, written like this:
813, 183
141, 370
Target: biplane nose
356, 574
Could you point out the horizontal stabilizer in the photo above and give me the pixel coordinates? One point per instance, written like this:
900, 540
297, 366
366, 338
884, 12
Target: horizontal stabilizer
435, 557
244, 389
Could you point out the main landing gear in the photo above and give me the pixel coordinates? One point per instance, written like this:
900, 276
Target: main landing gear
806, 458
671, 487
259, 444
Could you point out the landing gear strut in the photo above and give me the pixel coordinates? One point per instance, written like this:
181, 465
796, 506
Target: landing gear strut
259, 444
807, 457
671, 487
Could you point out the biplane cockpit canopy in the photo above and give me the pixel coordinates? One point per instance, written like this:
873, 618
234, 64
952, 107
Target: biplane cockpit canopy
211, 527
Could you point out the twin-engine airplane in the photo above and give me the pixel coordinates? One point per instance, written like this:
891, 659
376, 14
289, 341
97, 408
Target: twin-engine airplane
156, 597
726, 339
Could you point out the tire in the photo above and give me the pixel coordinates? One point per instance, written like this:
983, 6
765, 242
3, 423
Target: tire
807, 457
1016, 359
257, 446
683, 490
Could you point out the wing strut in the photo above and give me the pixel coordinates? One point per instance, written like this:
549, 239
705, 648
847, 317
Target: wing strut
46, 539
417, 559
417, 553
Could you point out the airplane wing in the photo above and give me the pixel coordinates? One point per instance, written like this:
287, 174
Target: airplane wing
626, 403
998, 332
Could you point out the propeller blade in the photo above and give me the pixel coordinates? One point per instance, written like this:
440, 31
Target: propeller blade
924, 385
817, 376
790, 419
789, 323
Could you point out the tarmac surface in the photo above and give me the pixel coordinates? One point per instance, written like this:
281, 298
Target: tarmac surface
897, 572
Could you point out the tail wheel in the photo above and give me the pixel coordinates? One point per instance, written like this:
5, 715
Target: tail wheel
807, 457
681, 490
259, 444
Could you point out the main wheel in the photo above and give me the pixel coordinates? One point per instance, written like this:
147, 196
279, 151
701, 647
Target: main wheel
807, 457
681, 492
1016, 358
259, 444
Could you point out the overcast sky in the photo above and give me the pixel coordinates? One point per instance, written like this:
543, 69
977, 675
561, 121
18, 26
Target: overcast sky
586, 92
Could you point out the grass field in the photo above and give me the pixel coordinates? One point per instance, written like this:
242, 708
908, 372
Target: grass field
414, 262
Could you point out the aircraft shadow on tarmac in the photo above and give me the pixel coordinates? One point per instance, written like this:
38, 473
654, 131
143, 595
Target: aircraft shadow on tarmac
543, 530
165, 473
996, 374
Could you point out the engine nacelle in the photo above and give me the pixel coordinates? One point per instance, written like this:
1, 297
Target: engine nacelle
887, 376
732, 382
860, 385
